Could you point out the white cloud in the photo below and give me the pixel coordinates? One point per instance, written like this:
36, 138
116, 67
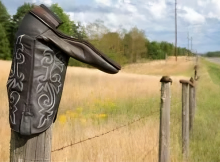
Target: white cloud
216, 3
211, 15
155, 17
125, 5
203, 3
214, 9
104, 2
192, 16
71, 14
131, 8
46, 2
157, 8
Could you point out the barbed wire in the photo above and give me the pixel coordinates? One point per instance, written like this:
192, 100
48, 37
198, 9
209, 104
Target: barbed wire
102, 134
143, 159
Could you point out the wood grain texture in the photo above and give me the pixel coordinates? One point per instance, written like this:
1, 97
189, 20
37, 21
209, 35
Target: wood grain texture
31, 148
185, 120
164, 139
192, 107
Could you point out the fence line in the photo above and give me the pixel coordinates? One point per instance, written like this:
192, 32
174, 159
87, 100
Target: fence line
102, 134
176, 116
150, 151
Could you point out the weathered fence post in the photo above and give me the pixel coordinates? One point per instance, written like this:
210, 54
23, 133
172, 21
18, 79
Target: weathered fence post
185, 118
33, 148
192, 105
164, 137
197, 59
196, 78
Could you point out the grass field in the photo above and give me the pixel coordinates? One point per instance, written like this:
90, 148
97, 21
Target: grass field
205, 142
94, 103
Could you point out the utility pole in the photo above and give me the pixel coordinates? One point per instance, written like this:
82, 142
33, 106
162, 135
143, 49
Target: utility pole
188, 45
175, 30
191, 44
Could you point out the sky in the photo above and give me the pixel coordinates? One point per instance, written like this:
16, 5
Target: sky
200, 19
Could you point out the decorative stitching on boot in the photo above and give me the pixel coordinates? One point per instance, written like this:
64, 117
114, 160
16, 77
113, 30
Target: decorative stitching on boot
49, 85
15, 79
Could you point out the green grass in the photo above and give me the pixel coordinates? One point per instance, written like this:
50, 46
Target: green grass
118, 110
205, 141
214, 71
111, 113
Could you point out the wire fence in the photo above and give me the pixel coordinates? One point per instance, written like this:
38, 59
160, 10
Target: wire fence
107, 132
145, 155
151, 141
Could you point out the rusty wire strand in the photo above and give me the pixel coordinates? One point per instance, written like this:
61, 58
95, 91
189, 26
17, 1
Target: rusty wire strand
102, 134
145, 155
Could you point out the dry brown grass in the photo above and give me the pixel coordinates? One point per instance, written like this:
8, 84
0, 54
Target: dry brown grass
170, 67
138, 142
78, 117
4, 120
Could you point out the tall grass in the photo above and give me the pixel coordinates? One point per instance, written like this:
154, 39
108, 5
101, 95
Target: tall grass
94, 103
183, 66
205, 141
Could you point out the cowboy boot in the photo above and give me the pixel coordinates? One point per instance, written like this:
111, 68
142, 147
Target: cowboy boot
40, 59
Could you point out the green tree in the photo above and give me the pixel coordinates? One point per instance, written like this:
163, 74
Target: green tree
21, 12
164, 46
67, 26
139, 50
79, 31
127, 47
5, 26
112, 45
111, 42
154, 51
4, 18
4, 44
70, 28
96, 30
213, 54
16, 20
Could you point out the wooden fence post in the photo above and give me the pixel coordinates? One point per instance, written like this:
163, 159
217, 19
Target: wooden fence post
196, 78
185, 118
164, 137
192, 105
197, 59
33, 148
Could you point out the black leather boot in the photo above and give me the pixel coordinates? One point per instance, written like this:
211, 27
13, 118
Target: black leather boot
40, 59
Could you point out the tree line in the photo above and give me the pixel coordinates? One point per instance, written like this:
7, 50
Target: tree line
123, 46
213, 54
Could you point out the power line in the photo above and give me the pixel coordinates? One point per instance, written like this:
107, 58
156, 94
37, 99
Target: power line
188, 43
175, 30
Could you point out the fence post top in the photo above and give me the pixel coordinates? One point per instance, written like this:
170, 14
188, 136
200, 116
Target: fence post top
190, 82
166, 79
196, 67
